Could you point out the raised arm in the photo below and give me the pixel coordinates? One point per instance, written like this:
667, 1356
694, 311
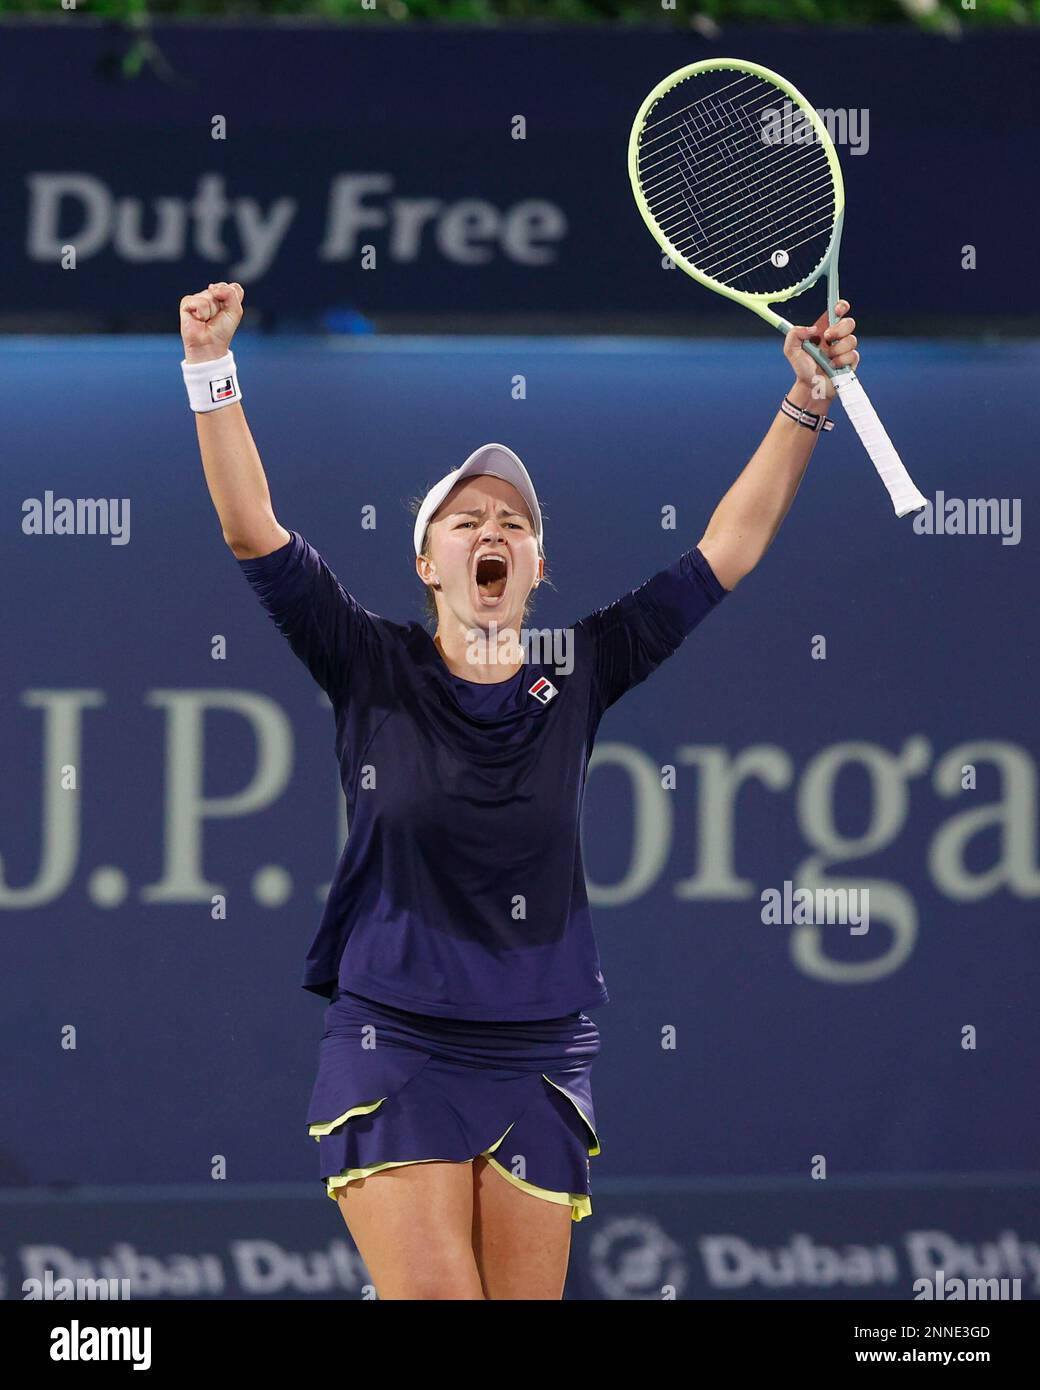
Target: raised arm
744, 523
234, 473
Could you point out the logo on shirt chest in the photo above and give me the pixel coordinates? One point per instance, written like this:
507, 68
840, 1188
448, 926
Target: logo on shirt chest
543, 690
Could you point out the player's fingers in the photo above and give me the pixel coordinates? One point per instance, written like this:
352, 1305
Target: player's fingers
797, 336
841, 329
845, 359
228, 297
793, 348
823, 322
205, 307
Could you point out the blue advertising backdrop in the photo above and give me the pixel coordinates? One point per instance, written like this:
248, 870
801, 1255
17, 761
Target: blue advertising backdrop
331, 141
818, 725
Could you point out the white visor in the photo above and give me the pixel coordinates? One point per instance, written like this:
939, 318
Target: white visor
494, 460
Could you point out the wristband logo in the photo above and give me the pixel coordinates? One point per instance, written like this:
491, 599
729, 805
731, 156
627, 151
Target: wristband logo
222, 390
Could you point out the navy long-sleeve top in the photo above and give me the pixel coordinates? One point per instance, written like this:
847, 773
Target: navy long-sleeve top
461, 891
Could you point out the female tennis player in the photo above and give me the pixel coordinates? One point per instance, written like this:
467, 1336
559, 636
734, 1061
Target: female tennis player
452, 1106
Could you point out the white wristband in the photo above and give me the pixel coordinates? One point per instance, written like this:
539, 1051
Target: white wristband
211, 384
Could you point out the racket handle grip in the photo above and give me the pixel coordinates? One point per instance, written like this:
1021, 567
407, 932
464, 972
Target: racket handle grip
901, 487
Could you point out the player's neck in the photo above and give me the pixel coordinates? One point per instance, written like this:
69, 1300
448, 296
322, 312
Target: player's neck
485, 658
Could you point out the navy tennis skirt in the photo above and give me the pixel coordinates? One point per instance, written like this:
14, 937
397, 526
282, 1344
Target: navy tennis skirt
395, 1087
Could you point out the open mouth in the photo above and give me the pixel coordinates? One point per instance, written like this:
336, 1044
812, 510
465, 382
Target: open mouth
491, 574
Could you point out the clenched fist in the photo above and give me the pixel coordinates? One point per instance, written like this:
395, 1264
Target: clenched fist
209, 320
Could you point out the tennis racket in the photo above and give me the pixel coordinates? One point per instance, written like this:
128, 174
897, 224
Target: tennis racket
739, 182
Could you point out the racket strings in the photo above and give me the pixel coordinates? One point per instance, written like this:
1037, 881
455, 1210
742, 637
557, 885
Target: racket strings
762, 216
735, 243
756, 194
710, 167
734, 207
724, 172
752, 213
745, 235
673, 115
740, 116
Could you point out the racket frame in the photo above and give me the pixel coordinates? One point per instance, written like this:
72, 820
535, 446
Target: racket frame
904, 493
757, 303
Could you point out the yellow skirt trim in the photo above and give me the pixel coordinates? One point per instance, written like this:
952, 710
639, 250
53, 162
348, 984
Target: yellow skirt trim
595, 1137
353, 1174
580, 1203
318, 1130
